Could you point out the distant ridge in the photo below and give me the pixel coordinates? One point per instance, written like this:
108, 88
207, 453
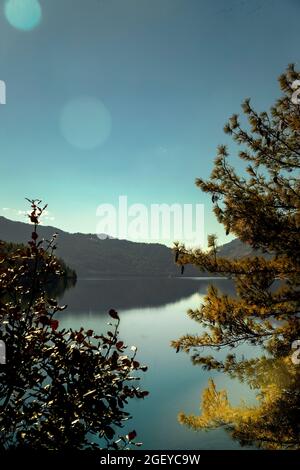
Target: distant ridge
238, 249
94, 258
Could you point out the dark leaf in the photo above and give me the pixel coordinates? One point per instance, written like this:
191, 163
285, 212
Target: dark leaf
109, 432
114, 314
132, 435
54, 324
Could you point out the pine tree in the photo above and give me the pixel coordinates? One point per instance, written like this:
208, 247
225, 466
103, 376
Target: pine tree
262, 208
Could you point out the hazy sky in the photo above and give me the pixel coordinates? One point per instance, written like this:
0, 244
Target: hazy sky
129, 97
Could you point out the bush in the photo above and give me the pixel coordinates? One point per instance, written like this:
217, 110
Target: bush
59, 389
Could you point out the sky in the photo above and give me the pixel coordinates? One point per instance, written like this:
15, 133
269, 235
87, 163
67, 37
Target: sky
110, 98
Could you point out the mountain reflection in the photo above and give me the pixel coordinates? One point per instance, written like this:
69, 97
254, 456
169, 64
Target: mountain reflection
123, 294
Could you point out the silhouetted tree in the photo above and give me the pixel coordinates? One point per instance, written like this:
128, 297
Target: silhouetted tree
59, 389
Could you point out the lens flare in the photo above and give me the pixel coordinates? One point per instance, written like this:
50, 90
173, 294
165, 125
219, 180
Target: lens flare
85, 123
23, 14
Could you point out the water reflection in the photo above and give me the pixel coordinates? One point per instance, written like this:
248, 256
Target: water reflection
152, 314
122, 294
273, 423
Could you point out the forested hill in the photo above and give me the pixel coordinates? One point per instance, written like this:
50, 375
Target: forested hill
7, 248
93, 258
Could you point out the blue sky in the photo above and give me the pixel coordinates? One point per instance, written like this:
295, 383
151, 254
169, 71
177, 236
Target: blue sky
129, 97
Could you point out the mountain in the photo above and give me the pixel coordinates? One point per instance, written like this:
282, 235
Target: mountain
238, 249
94, 258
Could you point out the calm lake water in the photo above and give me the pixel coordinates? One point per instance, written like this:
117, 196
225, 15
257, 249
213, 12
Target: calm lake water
153, 312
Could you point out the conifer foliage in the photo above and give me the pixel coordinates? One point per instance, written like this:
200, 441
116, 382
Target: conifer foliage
262, 208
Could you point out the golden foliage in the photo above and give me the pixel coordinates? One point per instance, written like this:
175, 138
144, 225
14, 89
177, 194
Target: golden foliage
262, 208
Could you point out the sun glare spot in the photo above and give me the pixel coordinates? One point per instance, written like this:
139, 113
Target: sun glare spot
85, 123
23, 14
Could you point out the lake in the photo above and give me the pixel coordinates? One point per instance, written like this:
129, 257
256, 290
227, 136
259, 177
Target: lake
153, 312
